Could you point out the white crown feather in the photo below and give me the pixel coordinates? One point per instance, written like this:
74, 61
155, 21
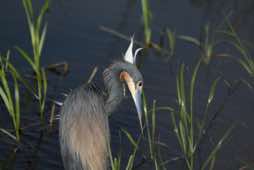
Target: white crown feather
129, 57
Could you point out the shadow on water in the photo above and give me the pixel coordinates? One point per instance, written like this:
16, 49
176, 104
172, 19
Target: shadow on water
75, 37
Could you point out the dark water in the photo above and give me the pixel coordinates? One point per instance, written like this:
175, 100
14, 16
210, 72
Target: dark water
74, 36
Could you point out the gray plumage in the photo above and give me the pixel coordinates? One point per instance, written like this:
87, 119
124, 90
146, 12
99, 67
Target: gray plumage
84, 130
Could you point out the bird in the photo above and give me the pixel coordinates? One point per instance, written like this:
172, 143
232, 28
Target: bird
84, 132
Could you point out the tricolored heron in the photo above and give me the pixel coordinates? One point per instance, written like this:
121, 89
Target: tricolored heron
84, 131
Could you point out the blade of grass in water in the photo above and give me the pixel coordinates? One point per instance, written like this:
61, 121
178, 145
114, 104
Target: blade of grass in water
10, 95
184, 120
146, 116
8, 134
37, 30
206, 44
116, 162
245, 59
147, 20
171, 41
215, 150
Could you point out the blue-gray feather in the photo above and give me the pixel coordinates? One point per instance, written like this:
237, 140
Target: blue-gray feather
84, 131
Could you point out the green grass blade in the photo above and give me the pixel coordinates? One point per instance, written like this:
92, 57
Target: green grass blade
42, 39
212, 163
21, 79
45, 85
6, 101
130, 162
6, 90
154, 120
182, 135
182, 97
43, 11
130, 138
146, 19
26, 57
212, 91
17, 106
192, 85
8, 134
29, 11
216, 149
176, 129
171, 41
190, 39
28, 7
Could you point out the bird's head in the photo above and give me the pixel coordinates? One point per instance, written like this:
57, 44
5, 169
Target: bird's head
131, 76
124, 74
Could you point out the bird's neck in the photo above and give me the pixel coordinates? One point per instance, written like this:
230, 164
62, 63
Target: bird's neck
113, 86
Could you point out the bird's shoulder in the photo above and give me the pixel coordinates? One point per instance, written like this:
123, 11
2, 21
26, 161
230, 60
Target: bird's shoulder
88, 89
92, 88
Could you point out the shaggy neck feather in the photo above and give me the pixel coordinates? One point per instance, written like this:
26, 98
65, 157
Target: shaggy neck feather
113, 86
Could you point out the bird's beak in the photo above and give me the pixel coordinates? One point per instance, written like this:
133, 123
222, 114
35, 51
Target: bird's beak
136, 94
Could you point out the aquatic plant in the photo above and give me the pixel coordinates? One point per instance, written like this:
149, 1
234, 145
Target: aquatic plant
150, 134
10, 95
38, 31
206, 44
116, 161
189, 129
171, 36
245, 59
146, 12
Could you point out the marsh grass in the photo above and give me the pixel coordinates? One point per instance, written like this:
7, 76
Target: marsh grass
206, 44
11, 79
116, 162
151, 133
147, 15
10, 95
171, 36
188, 128
245, 59
37, 30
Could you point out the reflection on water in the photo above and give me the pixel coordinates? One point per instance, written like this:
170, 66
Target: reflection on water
74, 36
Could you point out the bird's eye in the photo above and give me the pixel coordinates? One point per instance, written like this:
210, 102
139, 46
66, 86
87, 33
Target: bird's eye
140, 84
